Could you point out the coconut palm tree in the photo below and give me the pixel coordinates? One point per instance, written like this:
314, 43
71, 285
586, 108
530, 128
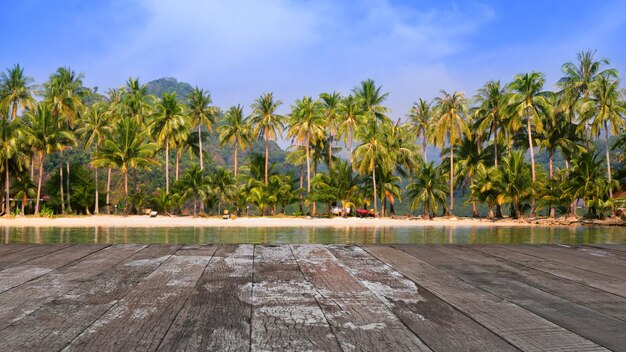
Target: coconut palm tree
470, 159
126, 149
135, 100
491, 100
222, 183
529, 103
94, 129
515, 181
450, 121
351, 115
169, 122
195, 184
16, 91
10, 150
486, 188
42, 132
297, 157
607, 108
578, 77
420, 122
266, 123
235, 129
306, 126
64, 92
202, 113
331, 111
371, 99
427, 189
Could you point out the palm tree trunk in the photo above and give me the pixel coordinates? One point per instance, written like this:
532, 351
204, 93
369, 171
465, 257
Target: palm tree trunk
532, 165
24, 200
61, 182
69, 204
374, 182
424, 147
490, 216
267, 155
200, 149
177, 158
552, 210
195, 205
7, 185
97, 206
330, 151
351, 140
450, 210
126, 183
39, 184
608, 160
109, 191
167, 166
474, 208
426, 215
308, 166
236, 150
32, 166
301, 184
495, 145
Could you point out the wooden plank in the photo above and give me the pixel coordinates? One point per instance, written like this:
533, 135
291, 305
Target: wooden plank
29, 253
13, 248
518, 326
619, 252
216, 317
286, 314
564, 254
140, 320
597, 327
358, 318
57, 323
437, 323
34, 268
611, 246
585, 277
24, 299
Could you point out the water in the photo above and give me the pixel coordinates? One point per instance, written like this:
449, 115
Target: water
324, 235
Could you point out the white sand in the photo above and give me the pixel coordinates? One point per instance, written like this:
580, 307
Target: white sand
186, 221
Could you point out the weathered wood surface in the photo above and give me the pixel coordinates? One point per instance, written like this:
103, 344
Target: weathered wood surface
618, 252
586, 322
436, 322
520, 327
599, 281
311, 297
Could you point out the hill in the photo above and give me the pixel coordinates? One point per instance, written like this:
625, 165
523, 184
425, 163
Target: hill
169, 85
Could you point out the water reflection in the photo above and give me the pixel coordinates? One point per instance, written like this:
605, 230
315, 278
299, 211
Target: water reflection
355, 235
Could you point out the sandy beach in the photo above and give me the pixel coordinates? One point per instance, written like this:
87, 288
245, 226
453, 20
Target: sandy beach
187, 221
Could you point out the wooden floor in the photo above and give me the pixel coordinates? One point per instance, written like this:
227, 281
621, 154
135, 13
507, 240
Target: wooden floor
136, 297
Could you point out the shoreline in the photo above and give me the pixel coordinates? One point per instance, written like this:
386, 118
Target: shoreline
188, 221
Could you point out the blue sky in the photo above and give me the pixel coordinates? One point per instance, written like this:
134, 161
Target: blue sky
238, 49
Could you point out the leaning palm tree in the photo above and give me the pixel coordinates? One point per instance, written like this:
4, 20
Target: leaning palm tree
451, 122
306, 126
490, 112
202, 113
64, 92
331, 106
126, 149
169, 121
266, 122
420, 122
528, 102
94, 129
351, 115
235, 129
41, 131
606, 105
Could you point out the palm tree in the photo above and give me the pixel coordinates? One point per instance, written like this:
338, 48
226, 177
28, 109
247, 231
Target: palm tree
236, 130
486, 188
420, 120
41, 131
266, 123
261, 197
608, 110
64, 91
95, 128
470, 159
15, 91
351, 114
514, 181
489, 114
578, 77
587, 182
428, 189
297, 157
10, 150
529, 102
193, 183
126, 149
306, 126
222, 182
169, 122
135, 100
331, 111
371, 99
202, 114
451, 121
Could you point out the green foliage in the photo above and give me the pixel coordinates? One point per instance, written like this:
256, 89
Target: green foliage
83, 190
169, 85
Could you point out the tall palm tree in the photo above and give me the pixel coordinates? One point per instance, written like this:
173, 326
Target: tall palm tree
490, 112
203, 115
126, 149
451, 122
64, 92
420, 120
528, 103
607, 107
41, 131
297, 157
193, 183
94, 129
331, 111
10, 150
306, 126
169, 121
117, 108
135, 100
351, 115
235, 129
371, 100
266, 122
470, 159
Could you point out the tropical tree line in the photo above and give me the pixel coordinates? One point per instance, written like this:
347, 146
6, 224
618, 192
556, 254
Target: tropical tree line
346, 150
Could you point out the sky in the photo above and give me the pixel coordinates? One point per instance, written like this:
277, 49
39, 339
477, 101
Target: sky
238, 49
